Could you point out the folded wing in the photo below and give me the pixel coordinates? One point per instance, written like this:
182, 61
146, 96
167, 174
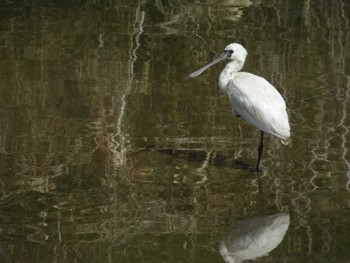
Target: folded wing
259, 103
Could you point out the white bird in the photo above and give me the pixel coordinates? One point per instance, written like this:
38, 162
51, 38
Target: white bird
252, 97
250, 238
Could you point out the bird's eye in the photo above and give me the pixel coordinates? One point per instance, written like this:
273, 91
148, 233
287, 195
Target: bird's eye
229, 52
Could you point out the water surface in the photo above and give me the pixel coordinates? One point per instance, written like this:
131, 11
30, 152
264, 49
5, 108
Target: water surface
110, 153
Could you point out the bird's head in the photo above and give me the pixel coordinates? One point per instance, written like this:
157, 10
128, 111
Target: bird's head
232, 51
235, 51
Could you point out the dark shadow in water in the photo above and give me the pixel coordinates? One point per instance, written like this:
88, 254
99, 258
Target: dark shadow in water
217, 159
4, 255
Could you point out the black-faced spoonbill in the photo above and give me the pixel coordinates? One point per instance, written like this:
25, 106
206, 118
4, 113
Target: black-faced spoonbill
252, 97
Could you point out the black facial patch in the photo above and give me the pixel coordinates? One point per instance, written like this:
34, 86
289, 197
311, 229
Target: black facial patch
229, 53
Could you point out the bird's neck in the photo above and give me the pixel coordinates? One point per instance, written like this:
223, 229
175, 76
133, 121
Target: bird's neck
229, 72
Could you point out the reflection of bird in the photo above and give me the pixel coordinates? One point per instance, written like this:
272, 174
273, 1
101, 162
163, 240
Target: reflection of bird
253, 237
252, 97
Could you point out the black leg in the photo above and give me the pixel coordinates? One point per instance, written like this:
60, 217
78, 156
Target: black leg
260, 150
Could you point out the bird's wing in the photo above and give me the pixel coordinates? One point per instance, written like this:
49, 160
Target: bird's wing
259, 103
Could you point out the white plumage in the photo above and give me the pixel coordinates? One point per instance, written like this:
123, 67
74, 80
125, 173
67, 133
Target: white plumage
250, 238
259, 104
252, 97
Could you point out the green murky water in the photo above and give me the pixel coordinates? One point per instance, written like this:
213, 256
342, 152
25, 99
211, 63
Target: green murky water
110, 153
